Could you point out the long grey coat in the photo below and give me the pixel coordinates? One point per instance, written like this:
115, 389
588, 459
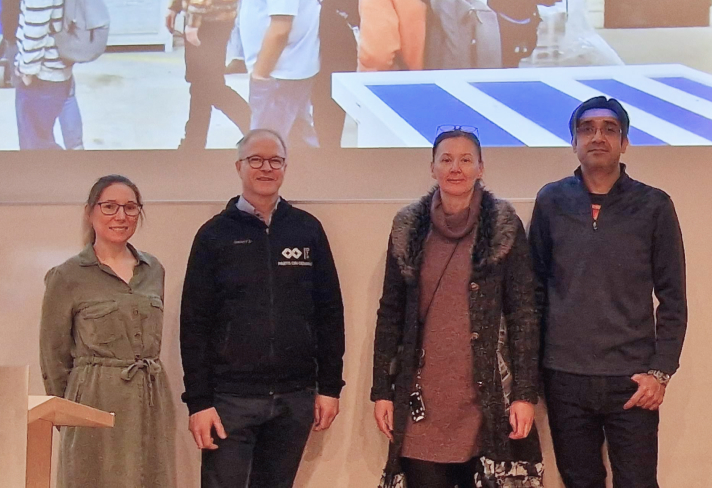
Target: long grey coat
99, 345
501, 291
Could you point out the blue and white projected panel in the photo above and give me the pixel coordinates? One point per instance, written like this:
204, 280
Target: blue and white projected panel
668, 104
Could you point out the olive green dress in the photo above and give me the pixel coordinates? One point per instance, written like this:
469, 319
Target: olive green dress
100, 339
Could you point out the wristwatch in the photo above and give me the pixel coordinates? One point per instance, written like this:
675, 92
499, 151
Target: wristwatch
663, 378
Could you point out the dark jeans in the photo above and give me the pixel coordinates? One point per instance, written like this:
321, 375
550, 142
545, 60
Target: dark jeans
37, 107
585, 410
205, 71
265, 440
426, 474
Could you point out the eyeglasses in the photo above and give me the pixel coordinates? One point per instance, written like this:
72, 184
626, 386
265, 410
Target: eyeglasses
131, 209
256, 162
610, 131
464, 128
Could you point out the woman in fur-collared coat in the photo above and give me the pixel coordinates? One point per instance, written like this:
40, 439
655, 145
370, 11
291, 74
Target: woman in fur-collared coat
456, 351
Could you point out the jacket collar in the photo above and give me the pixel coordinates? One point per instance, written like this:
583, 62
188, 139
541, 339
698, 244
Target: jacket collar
87, 257
233, 212
620, 185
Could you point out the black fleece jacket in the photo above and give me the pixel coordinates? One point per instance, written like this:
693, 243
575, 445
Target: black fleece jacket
262, 311
597, 279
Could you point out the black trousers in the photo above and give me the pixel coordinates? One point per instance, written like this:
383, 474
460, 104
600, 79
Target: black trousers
265, 440
425, 474
585, 410
205, 71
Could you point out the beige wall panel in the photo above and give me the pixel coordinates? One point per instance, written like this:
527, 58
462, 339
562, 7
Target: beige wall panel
345, 174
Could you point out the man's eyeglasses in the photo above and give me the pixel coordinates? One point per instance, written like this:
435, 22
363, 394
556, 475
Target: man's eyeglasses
131, 209
256, 162
610, 131
464, 128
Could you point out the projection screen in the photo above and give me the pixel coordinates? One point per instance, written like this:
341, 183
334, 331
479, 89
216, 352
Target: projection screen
514, 69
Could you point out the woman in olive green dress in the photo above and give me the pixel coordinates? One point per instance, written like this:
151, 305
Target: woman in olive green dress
100, 340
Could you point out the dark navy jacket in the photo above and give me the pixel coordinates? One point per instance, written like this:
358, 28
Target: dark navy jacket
262, 311
597, 279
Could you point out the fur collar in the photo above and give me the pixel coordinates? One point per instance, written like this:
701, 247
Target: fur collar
496, 230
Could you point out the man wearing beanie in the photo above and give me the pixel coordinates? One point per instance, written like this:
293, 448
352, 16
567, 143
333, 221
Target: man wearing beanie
603, 244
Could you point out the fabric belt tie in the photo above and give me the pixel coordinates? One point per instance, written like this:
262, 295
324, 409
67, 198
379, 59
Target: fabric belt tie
130, 368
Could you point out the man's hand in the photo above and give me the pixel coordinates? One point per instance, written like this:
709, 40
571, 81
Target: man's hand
171, 20
325, 411
383, 411
201, 425
650, 393
521, 418
191, 35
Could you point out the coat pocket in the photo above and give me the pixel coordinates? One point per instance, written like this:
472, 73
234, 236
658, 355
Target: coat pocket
156, 302
99, 319
154, 324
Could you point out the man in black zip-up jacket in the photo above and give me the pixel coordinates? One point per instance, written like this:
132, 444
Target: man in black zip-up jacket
602, 245
262, 329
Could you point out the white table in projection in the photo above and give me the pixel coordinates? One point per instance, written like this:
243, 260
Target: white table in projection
668, 104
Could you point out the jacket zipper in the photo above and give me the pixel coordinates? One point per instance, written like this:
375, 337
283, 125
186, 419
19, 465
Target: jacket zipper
598, 216
271, 303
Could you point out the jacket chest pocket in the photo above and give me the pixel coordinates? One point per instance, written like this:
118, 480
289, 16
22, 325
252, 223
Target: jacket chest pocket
152, 324
101, 321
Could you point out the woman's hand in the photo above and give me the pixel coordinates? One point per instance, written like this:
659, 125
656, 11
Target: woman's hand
521, 418
383, 411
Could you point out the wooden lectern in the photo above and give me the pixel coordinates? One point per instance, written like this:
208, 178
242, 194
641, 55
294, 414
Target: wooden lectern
46, 412
14, 383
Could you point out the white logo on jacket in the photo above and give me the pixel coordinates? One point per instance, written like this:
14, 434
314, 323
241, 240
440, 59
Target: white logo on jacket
293, 254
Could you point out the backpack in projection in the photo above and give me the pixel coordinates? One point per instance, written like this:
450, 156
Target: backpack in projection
85, 30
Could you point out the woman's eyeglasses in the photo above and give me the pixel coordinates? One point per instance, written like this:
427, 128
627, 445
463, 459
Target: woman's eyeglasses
131, 209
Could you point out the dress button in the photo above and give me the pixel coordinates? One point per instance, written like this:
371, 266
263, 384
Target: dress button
474, 336
480, 385
474, 286
135, 312
137, 335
